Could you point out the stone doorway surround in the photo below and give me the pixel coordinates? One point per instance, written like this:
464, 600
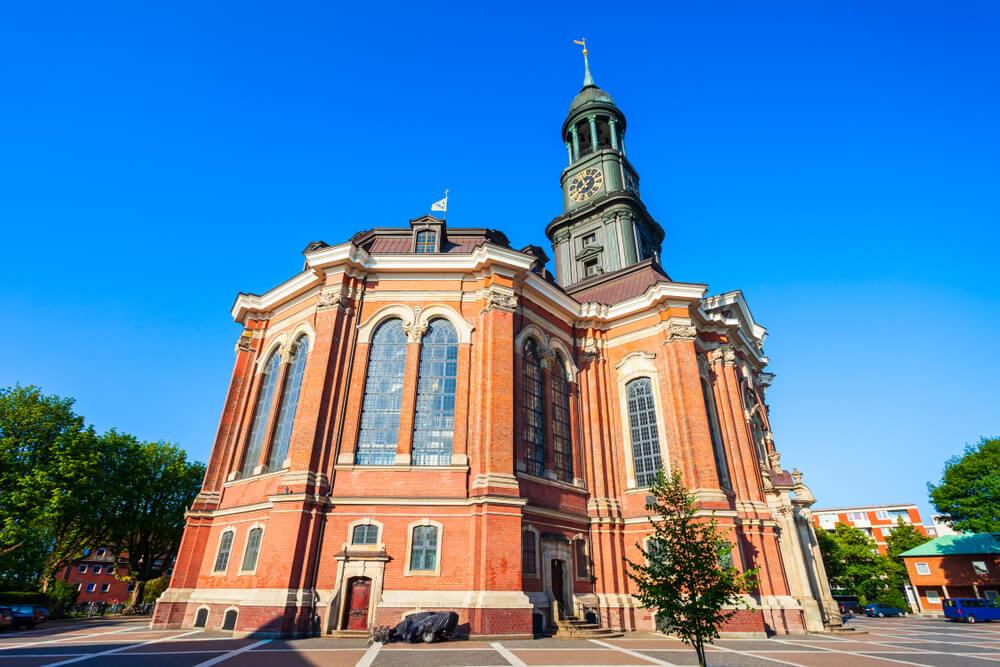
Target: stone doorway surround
352, 565
557, 547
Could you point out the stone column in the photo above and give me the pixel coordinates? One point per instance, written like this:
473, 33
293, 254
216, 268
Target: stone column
614, 132
548, 467
576, 143
404, 442
569, 152
593, 133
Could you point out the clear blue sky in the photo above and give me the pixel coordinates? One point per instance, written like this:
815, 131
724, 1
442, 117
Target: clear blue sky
838, 164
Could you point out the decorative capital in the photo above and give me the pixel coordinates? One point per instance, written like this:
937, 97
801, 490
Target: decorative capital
774, 458
497, 299
680, 330
546, 359
572, 130
592, 118
415, 331
331, 297
724, 354
245, 342
561, 236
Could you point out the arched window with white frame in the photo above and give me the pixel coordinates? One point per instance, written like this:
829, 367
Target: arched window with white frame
383, 398
289, 400
261, 412
252, 552
434, 421
642, 428
562, 439
533, 420
225, 548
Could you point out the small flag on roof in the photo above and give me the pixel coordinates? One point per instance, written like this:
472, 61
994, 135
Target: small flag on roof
441, 205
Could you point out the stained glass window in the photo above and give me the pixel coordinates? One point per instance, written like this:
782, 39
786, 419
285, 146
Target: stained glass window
289, 400
528, 557
561, 435
383, 395
532, 397
642, 425
721, 462
260, 413
253, 549
225, 546
426, 241
434, 423
423, 550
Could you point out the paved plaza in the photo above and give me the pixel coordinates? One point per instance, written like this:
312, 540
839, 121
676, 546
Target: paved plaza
890, 641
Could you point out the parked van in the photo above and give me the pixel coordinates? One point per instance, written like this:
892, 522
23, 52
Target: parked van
971, 610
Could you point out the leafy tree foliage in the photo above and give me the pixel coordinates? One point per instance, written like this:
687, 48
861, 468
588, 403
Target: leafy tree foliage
687, 577
154, 588
64, 489
151, 485
853, 562
903, 538
62, 596
969, 492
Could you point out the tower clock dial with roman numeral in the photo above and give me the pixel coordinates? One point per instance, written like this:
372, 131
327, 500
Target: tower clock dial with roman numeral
586, 184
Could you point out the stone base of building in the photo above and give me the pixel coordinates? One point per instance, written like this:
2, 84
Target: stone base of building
506, 623
772, 616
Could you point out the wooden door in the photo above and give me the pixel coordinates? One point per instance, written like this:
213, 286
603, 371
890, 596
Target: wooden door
358, 591
557, 586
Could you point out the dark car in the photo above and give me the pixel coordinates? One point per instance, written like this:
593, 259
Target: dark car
28, 615
6, 618
848, 604
882, 610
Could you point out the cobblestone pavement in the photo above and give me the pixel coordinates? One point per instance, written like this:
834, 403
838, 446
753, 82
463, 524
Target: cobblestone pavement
121, 642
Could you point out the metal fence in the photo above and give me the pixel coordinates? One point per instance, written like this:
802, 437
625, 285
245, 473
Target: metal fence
107, 608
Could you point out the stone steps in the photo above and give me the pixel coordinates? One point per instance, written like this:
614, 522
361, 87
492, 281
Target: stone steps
574, 628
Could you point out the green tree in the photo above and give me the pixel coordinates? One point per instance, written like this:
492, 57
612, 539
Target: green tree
151, 485
687, 577
853, 562
61, 596
154, 588
50, 472
903, 538
969, 492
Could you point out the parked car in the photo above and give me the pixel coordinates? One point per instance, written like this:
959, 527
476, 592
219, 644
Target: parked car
971, 610
848, 604
6, 618
28, 615
882, 610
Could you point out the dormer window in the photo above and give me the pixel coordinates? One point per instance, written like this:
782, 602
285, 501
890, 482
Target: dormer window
591, 268
426, 241
589, 239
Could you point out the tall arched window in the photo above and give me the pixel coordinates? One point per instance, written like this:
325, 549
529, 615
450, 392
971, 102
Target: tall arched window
561, 434
383, 395
260, 413
642, 426
434, 422
289, 399
756, 427
532, 397
721, 462
253, 550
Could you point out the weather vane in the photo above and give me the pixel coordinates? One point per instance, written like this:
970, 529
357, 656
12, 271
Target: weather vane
582, 42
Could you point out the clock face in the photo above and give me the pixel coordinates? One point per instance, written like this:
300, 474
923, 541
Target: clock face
631, 182
586, 184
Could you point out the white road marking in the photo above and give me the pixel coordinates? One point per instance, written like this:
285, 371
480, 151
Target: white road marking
507, 655
120, 649
226, 656
369, 657
62, 638
634, 654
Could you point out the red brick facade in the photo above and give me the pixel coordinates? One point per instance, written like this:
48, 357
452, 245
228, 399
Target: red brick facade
483, 500
878, 522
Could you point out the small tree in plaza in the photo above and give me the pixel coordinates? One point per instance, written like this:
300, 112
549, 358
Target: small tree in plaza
688, 578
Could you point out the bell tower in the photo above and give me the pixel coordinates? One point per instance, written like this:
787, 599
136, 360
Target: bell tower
605, 226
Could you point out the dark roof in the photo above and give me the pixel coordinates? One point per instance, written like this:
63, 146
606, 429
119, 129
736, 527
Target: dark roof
399, 241
611, 288
588, 95
948, 545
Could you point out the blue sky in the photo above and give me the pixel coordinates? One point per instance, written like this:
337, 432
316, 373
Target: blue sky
838, 162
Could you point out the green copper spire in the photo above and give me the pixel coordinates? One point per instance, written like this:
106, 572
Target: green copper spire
588, 80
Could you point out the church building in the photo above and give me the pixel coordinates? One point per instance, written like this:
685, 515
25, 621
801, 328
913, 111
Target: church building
426, 418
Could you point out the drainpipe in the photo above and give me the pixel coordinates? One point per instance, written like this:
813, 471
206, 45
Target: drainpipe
336, 455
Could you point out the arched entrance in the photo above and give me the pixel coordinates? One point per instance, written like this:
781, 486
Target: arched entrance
356, 607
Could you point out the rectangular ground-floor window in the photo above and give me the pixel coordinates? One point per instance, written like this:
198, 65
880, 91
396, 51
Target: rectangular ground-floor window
933, 597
